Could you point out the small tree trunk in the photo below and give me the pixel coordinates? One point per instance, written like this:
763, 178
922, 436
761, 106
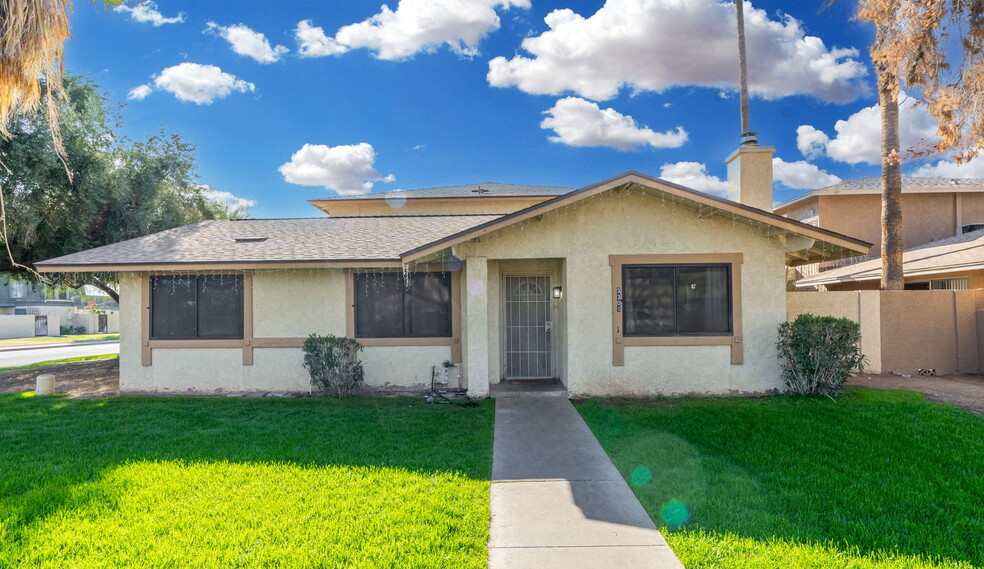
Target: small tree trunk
105, 288
891, 217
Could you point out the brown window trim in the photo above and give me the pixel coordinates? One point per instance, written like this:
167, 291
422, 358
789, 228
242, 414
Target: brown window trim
619, 341
454, 340
249, 342
148, 345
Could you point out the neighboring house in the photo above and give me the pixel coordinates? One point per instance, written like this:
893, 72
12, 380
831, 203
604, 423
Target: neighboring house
629, 286
932, 209
19, 297
954, 263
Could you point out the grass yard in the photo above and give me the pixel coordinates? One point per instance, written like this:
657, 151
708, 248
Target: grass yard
44, 340
184, 482
878, 479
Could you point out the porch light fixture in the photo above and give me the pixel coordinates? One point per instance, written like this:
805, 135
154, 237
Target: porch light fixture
558, 292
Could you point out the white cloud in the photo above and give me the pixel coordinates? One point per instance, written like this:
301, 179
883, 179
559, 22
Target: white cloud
577, 122
810, 141
146, 13
801, 175
424, 25
858, 138
652, 45
200, 84
346, 169
312, 41
139, 92
973, 168
693, 175
245, 41
227, 199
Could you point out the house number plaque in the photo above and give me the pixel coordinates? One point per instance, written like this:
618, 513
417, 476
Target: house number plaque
618, 299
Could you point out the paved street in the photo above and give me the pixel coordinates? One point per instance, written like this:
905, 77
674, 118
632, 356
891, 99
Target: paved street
13, 357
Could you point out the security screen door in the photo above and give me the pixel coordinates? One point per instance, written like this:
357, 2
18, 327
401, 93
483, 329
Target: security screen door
528, 328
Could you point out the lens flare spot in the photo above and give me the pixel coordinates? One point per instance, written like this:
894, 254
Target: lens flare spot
674, 513
476, 287
396, 201
641, 476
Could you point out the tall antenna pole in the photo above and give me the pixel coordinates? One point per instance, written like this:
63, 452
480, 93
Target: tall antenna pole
747, 136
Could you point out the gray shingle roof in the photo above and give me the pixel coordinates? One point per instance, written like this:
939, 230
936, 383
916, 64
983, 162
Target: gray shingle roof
466, 191
965, 250
308, 239
908, 183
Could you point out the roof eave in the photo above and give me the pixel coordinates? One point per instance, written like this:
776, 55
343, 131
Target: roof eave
632, 176
54, 267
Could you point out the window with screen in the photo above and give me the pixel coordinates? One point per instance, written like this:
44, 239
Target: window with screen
196, 307
677, 300
393, 305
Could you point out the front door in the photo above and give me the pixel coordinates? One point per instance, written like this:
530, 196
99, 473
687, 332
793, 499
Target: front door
528, 342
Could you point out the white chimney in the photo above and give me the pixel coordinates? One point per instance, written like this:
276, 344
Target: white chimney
750, 176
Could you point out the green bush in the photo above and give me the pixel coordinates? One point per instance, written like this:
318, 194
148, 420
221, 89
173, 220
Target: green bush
333, 365
818, 353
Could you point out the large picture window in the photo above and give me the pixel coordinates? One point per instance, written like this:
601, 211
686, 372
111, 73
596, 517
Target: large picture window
391, 305
677, 300
196, 307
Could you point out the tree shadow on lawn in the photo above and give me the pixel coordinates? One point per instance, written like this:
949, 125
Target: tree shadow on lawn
218, 482
878, 479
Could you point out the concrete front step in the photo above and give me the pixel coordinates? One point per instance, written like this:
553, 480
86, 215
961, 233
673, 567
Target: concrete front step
516, 388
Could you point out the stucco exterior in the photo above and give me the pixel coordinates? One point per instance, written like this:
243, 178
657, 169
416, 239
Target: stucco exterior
287, 304
572, 245
583, 236
904, 331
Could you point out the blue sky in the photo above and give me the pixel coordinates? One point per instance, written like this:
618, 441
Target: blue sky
292, 100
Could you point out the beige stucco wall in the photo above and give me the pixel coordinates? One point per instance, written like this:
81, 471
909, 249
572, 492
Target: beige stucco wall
903, 331
585, 234
287, 304
863, 307
929, 329
927, 217
20, 326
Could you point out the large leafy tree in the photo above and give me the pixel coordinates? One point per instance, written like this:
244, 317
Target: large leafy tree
114, 189
935, 48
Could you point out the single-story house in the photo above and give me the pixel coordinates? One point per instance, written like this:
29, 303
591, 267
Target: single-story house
953, 263
628, 286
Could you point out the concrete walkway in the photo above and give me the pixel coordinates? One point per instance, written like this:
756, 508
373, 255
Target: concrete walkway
557, 499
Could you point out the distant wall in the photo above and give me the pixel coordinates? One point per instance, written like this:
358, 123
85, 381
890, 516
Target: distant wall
903, 331
22, 326
90, 322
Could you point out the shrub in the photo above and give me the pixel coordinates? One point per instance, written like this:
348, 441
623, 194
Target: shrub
333, 365
818, 353
70, 330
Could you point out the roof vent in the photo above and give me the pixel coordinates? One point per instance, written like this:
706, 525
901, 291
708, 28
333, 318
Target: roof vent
250, 239
480, 190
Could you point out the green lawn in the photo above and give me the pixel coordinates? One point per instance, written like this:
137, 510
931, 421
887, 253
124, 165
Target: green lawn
44, 340
182, 482
877, 479
61, 361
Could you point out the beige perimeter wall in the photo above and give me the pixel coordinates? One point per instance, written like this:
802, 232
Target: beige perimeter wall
904, 331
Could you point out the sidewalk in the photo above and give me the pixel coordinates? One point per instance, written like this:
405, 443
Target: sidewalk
557, 499
63, 345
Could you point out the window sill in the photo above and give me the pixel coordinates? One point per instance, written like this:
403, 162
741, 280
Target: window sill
376, 342
679, 340
200, 343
